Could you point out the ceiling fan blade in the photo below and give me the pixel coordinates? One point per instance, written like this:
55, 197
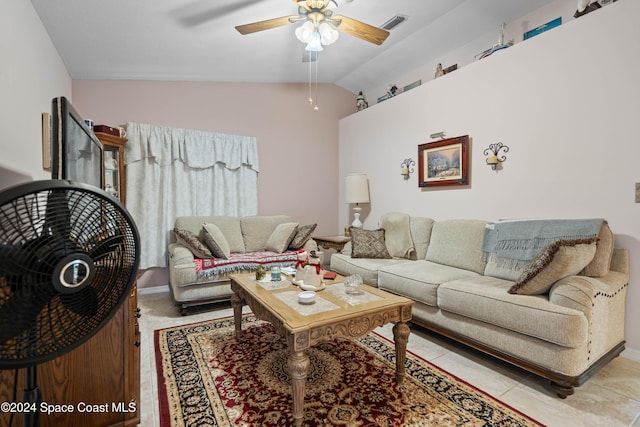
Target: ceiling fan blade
360, 29
254, 27
194, 14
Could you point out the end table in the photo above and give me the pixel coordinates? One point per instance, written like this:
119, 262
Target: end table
332, 242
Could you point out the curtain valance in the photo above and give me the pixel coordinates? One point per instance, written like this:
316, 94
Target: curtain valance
195, 148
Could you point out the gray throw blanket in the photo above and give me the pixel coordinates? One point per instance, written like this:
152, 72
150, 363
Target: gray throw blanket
522, 240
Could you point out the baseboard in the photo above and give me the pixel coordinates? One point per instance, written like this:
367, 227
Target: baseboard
154, 290
631, 354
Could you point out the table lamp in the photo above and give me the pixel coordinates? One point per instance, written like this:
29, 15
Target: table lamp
356, 191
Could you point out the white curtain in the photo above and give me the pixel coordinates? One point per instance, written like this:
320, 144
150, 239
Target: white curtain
179, 172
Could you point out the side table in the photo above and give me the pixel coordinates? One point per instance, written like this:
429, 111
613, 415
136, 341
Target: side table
332, 242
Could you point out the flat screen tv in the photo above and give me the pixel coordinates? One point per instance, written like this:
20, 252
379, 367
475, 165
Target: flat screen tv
76, 152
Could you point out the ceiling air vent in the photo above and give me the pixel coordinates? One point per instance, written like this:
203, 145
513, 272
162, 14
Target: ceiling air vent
393, 22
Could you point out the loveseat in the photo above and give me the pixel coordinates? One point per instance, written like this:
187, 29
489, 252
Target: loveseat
547, 296
205, 250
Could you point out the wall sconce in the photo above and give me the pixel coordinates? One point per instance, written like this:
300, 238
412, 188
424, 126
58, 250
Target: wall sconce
440, 135
495, 158
407, 169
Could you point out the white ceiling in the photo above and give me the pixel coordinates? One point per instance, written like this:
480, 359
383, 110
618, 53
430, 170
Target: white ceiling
189, 40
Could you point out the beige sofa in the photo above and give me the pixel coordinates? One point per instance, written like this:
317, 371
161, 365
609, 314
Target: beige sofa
205, 250
565, 321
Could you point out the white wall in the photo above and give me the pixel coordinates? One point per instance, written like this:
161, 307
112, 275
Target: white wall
466, 54
566, 102
31, 74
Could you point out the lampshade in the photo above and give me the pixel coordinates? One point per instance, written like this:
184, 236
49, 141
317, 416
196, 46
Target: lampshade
328, 34
314, 44
304, 32
356, 188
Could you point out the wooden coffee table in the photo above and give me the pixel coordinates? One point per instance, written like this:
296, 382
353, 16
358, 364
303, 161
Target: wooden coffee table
334, 315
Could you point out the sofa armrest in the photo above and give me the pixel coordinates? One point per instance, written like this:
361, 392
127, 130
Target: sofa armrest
311, 245
346, 250
180, 256
602, 300
579, 292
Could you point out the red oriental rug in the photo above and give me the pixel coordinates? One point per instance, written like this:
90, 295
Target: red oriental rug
207, 378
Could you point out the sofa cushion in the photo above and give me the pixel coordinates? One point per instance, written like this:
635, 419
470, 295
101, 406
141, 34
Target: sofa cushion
557, 260
458, 243
368, 244
420, 234
215, 240
367, 268
190, 240
486, 299
419, 280
256, 230
230, 227
599, 265
281, 237
397, 235
303, 234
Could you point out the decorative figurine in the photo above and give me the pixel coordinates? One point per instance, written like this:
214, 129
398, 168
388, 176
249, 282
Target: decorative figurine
392, 89
586, 6
498, 46
361, 102
439, 71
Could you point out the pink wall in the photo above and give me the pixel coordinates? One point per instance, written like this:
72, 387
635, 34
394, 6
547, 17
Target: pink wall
297, 146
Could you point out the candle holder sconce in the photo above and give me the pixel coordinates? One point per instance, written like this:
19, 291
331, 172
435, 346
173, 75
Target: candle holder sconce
494, 158
407, 168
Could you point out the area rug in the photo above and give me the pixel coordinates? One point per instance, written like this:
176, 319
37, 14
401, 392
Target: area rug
207, 378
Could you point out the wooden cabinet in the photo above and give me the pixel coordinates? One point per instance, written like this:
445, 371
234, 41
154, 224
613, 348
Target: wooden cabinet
113, 156
99, 380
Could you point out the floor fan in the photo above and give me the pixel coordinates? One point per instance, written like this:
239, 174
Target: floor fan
69, 255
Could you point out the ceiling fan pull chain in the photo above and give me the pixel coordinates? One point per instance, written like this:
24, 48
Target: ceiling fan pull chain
310, 65
317, 59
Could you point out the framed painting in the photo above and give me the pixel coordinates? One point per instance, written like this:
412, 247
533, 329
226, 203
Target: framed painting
444, 163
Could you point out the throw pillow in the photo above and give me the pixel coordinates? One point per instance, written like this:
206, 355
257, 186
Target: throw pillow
189, 240
281, 237
302, 236
368, 244
215, 240
599, 265
556, 261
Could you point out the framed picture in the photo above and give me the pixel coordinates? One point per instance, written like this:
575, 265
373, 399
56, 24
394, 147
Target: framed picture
443, 163
46, 141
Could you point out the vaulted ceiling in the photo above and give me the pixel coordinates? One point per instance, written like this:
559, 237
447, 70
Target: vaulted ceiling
196, 40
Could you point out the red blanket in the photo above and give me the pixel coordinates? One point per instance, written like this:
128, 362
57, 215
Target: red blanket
244, 261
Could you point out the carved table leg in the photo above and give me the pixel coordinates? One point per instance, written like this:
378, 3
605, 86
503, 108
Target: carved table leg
400, 337
237, 303
298, 364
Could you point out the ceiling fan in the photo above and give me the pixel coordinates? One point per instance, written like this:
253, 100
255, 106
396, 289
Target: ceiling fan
317, 13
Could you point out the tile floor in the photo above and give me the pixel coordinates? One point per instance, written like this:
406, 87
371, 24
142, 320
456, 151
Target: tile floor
611, 398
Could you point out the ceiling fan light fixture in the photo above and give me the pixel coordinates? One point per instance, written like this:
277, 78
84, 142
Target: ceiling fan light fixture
328, 34
304, 32
314, 44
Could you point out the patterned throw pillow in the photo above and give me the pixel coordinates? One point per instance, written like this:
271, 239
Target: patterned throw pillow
302, 236
215, 240
556, 261
368, 244
281, 237
189, 240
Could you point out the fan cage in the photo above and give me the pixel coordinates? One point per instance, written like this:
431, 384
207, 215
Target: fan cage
40, 225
